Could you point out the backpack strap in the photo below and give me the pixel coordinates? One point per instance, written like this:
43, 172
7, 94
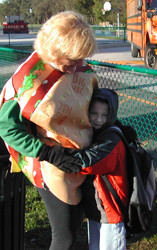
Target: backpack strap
115, 195
117, 130
106, 180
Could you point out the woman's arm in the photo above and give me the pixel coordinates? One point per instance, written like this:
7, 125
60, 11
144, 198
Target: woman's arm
14, 131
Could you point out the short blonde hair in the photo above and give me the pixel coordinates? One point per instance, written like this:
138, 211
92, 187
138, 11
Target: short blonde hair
65, 34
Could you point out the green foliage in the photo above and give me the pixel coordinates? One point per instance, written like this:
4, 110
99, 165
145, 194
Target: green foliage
43, 10
97, 11
85, 7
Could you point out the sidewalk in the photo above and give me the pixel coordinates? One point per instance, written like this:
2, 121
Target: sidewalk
115, 51
103, 43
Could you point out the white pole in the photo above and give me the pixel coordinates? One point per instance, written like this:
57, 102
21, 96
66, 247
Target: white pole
118, 22
107, 7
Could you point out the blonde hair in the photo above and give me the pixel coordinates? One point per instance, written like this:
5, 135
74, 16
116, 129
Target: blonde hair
65, 34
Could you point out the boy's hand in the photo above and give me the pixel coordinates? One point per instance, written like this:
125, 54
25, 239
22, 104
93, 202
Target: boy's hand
62, 158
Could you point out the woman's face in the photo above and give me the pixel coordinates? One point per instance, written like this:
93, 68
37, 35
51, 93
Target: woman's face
68, 66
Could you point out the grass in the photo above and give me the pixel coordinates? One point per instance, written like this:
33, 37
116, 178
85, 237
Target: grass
38, 234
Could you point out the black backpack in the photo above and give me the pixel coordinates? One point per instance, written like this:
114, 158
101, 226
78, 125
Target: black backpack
142, 184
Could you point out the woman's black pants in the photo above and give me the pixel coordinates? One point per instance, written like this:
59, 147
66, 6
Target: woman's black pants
65, 220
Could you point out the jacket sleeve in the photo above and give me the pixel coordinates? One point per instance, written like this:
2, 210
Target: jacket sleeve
14, 131
102, 158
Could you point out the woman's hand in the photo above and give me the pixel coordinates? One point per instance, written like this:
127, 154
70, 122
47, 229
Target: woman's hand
62, 158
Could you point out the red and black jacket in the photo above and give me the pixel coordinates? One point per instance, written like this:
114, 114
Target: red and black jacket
106, 156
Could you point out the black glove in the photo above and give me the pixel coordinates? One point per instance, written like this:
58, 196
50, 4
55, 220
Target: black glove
62, 158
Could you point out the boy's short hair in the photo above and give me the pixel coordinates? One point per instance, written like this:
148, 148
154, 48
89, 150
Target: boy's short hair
98, 99
65, 34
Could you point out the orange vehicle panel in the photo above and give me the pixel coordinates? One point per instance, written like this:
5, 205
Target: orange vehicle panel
141, 30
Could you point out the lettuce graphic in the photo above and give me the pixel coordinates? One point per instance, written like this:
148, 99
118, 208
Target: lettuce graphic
21, 161
28, 80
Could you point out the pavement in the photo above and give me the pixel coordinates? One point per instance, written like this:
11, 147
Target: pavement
114, 55
111, 43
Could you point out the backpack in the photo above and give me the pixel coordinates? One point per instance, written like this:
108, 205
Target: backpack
142, 185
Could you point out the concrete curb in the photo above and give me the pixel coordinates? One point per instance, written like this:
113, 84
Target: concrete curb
104, 45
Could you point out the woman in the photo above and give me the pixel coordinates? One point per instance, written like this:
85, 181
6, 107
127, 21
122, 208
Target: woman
44, 104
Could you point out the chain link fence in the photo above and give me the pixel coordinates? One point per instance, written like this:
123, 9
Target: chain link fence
136, 87
112, 32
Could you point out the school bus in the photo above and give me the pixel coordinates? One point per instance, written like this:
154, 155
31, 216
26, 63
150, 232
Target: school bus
142, 30
14, 24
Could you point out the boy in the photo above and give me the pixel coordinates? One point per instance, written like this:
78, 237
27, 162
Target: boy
106, 156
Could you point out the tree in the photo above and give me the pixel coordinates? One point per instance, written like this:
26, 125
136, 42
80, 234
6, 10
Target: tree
69, 5
42, 10
6, 9
25, 7
85, 8
97, 11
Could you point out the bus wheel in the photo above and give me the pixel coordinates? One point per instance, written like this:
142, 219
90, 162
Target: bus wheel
150, 60
134, 50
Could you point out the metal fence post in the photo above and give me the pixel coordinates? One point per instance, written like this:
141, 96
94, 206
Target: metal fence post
12, 206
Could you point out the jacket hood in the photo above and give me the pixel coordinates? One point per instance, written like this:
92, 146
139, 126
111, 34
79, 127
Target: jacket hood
112, 98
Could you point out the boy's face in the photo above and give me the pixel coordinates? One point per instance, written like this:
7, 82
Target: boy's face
98, 114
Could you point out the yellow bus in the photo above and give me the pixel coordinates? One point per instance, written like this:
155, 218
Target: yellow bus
142, 30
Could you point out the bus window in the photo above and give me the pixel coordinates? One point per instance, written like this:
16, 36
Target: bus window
152, 4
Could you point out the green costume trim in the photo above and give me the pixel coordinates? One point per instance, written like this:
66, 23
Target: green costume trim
15, 130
